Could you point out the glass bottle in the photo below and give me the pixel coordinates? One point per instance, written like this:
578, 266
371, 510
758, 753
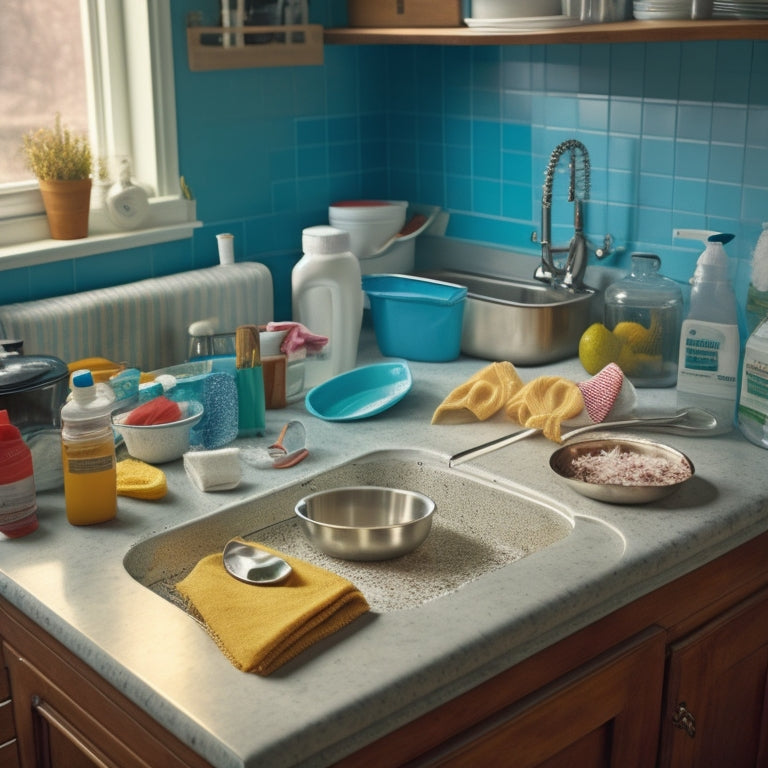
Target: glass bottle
646, 310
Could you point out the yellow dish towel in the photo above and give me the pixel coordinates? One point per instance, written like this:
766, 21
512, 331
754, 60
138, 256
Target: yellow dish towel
260, 628
481, 396
545, 403
140, 480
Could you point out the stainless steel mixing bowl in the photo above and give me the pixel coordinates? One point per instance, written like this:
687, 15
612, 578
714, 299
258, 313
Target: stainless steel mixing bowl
365, 522
562, 459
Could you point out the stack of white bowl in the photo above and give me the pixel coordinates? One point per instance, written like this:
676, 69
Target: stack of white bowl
662, 9
515, 9
371, 223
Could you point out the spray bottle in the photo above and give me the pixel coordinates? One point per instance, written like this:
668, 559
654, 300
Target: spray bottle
708, 366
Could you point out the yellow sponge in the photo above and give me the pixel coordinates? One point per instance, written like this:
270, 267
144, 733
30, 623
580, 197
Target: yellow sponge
545, 403
481, 396
140, 480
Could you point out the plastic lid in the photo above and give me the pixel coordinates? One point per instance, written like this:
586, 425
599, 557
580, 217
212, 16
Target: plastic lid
89, 400
324, 240
19, 373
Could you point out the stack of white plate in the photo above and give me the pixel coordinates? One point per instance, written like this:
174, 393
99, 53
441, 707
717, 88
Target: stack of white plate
740, 9
649, 10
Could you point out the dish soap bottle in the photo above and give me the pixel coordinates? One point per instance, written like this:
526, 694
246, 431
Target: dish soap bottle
327, 294
709, 341
646, 309
757, 293
18, 500
88, 452
753, 400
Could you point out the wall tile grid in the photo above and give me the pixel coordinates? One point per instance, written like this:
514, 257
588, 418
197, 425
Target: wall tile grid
677, 135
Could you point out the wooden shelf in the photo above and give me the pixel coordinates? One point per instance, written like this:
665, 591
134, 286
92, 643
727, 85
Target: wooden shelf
623, 32
273, 46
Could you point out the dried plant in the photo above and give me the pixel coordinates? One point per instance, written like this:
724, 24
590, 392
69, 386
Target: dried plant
57, 153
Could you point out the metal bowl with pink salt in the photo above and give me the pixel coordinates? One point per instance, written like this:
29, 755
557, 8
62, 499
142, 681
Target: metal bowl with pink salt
621, 470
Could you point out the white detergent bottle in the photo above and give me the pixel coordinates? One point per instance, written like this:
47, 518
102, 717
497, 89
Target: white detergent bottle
709, 339
327, 297
753, 400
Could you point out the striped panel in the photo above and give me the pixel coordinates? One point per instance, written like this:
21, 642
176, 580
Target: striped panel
143, 324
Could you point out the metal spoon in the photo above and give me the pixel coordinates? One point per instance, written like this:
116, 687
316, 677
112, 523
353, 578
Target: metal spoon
252, 565
689, 421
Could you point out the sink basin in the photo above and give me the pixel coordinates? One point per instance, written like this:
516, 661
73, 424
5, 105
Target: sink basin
479, 525
523, 321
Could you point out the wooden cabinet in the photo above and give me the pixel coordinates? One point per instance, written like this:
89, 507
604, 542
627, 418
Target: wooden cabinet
717, 682
605, 714
677, 678
595, 698
66, 716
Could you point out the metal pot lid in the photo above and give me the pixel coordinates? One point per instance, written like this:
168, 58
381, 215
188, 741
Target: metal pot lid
20, 373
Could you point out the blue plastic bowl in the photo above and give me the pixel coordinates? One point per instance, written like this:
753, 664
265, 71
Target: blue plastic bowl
416, 318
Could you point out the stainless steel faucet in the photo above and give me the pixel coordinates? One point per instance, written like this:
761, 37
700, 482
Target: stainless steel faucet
572, 274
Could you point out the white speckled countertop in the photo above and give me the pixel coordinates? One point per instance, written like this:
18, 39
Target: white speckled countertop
387, 667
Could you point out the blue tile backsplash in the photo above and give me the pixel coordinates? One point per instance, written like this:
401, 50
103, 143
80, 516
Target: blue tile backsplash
677, 135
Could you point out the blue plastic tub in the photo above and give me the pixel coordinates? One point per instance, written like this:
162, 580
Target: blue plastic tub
416, 318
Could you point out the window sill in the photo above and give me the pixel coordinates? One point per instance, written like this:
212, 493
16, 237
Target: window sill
170, 219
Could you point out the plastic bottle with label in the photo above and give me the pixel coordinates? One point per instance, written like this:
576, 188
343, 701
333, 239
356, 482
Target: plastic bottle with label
88, 452
753, 400
647, 310
18, 499
709, 340
327, 298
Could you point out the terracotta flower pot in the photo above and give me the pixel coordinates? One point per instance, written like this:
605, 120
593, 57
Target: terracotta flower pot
67, 205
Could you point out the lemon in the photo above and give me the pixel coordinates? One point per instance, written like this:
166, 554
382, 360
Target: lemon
641, 339
598, 347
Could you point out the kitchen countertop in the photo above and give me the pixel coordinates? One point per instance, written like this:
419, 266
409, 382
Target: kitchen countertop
386, 668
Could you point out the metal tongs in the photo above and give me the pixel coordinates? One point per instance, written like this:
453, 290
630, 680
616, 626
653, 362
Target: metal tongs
688, 421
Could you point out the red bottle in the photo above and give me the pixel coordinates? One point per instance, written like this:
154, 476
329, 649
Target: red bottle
18, 501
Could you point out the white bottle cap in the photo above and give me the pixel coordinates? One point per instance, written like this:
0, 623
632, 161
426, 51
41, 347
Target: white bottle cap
324, 240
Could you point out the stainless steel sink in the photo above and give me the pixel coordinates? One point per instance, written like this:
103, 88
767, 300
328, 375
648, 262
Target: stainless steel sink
524, 322
480, 525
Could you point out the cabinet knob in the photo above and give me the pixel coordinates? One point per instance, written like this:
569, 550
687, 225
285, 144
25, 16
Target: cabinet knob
682, 718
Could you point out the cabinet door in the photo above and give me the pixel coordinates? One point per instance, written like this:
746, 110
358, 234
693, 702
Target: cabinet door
605, 714
715, 705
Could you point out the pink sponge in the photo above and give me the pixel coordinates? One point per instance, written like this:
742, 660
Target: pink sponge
160, 410
601, 392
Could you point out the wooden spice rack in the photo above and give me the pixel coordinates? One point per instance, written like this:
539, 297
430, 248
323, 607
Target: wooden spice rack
270, 46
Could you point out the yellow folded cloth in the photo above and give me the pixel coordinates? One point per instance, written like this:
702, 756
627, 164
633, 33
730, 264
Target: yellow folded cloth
545, 403
140, 480
481, 396
260, 628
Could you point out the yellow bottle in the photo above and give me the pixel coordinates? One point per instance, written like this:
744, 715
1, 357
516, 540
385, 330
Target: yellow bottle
88, 452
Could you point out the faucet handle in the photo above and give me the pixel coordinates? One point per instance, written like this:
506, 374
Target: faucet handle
608, 248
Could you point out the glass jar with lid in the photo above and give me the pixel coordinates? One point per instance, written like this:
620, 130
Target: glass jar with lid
645, 310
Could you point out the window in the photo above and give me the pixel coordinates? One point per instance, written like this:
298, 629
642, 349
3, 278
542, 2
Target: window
125, 57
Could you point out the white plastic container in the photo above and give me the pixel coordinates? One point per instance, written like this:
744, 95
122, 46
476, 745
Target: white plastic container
709, 339
753, 401
327, 298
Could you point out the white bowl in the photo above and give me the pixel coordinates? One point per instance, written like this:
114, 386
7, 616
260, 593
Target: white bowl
515, 9
370, 223
160, 443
